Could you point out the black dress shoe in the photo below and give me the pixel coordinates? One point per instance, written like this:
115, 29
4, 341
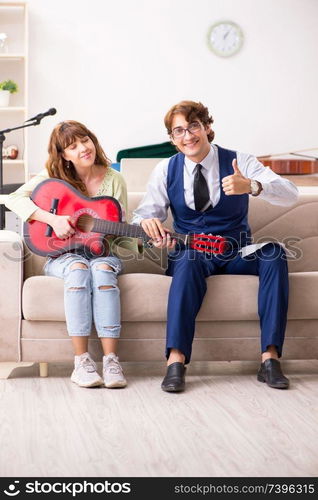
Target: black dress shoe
271, 373
174, 380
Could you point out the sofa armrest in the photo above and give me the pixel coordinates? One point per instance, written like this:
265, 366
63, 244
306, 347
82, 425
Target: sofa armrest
11, 269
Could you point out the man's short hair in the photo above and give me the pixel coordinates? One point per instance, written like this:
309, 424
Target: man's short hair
191, 110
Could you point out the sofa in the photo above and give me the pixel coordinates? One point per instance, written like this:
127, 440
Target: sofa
32, 316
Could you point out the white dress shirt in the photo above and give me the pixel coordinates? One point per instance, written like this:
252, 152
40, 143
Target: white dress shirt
155, 203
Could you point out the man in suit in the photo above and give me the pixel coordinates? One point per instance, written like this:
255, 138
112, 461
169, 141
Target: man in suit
207, 189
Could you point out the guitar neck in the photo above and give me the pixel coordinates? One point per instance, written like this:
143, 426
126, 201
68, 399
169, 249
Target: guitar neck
123, 229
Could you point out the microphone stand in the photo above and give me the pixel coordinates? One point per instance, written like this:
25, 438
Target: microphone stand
36, 121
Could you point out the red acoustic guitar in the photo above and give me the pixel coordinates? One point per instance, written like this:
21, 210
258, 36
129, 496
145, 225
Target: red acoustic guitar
93, 218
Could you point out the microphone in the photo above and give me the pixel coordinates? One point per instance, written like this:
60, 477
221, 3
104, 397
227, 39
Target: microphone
39, 117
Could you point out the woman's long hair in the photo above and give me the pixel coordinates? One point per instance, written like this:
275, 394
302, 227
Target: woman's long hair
64, 134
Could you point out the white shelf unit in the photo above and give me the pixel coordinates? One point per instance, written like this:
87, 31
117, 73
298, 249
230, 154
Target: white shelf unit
14, 66
12, 109
13, 57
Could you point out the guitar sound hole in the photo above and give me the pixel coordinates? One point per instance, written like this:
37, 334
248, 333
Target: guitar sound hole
85, 223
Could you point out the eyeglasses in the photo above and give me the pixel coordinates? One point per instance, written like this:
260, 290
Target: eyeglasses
179, 132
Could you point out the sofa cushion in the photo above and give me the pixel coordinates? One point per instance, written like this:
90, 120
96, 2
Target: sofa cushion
144, 297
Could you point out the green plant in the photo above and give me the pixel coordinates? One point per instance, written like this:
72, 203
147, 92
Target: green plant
9, 85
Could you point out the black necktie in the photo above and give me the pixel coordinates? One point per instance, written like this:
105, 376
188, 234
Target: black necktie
200, 189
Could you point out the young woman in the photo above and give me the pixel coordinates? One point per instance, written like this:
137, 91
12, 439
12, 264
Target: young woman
90, 282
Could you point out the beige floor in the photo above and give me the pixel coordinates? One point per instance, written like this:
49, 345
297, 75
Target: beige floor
226, 424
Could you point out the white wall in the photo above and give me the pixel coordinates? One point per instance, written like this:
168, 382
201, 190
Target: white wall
119, 65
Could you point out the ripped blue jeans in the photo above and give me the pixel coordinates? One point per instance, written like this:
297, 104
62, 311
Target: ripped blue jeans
90, 292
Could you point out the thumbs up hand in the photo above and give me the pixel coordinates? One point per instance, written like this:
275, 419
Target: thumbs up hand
236, 183
235, 167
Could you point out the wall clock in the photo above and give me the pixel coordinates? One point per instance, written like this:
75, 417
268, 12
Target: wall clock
225, 38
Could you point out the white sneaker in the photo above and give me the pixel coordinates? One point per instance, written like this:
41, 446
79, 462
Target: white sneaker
112, 372
84, 373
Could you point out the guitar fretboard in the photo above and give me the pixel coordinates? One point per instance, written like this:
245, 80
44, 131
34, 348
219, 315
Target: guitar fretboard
123, 229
